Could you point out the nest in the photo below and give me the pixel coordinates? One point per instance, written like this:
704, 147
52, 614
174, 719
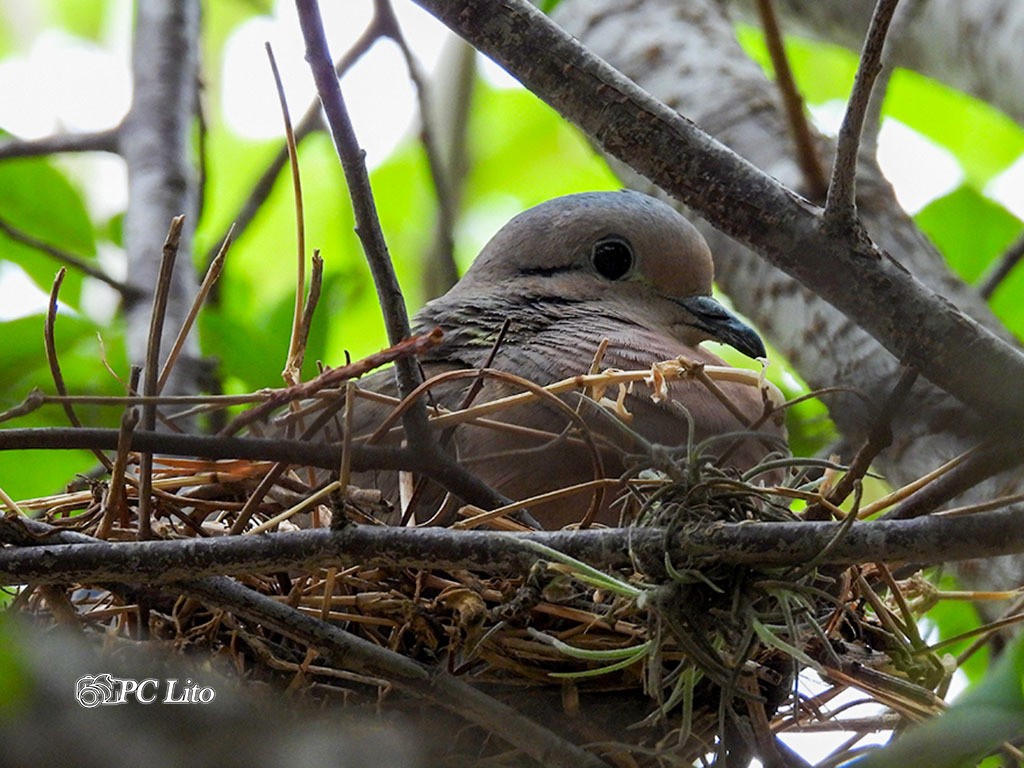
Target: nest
669, 662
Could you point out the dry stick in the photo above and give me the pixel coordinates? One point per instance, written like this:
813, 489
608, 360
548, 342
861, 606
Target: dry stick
1002, 269
98, 141
70, 259
316, 281
396, 318
413, 346
803, 139
345, 469
308, 123
528, 386
325, 456
878, 439
270, 479
295, 348
984, 461
449, 432
841, 204
1009, 617
115, 502
149, 382
49, 340
212, 275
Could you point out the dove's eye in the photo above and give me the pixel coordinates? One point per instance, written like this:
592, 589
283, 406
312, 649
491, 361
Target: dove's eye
612, 257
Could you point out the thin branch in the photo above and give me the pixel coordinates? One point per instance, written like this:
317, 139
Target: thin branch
793, 103
878, 439
212, 275
50, 343
316, 281
989, 460
1002, 269
396, 318
150, 375
410, 347
98, 141
389, 293
322, 455
441, 271
293, 363
64, 257
841, 203
115, 503
308, 123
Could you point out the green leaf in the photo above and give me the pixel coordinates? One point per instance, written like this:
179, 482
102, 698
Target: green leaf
507, 127
973, 232
39, 201
970, 230
977, 723
983, 139
22, 352
84, 18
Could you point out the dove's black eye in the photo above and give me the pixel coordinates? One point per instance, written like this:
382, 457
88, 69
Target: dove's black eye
612, 257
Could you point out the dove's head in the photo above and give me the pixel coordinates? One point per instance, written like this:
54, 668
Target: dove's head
622, 254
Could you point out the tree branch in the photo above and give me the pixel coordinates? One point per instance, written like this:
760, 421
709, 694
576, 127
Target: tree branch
923, 541
396, 317
70, 259
841, 203
1002, 269
934, 43
155, 141
803, 139
98, 141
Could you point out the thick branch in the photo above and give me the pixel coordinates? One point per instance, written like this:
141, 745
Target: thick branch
923, 541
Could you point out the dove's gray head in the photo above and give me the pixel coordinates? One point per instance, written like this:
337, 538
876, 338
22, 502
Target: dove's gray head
621, 254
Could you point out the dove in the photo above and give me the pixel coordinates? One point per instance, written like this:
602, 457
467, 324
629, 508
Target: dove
563, 277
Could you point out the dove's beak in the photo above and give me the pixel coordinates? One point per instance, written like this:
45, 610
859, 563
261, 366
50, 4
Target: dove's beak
722, 325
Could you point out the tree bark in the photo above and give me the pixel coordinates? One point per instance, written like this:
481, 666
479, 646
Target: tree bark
156, 142
973, 46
